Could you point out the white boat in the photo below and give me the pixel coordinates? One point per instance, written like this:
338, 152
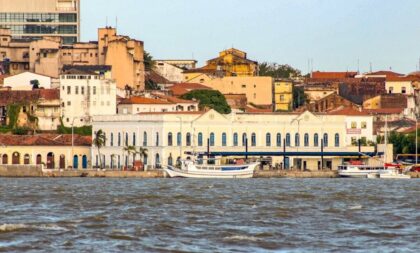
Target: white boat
360, 171
394, 174
372, 175
189, 169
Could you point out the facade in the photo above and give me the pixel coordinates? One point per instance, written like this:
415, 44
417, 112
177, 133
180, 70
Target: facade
283, 95
48, 56
168, 136
34, 109
85, 94
402, 85
51, 150
40, 18
331, 102
230, 62
173, 70
258, 89
136, 105
23, 81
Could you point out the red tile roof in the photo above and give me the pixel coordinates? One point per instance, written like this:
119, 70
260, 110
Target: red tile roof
384, 111
348, 111
144, 100
183, 88
44, 140
173, 99
176, 113
402, 78
14, 96
384, 73
323, 75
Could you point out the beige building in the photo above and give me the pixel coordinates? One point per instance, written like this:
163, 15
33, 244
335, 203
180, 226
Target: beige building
36, 19
283, 95
159, 103
173, 70
48, 56
287, 139
51, 150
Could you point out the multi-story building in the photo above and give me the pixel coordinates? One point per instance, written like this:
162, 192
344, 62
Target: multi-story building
283, 95
288, 139
85, 93
36, 19
173, 70
48, 56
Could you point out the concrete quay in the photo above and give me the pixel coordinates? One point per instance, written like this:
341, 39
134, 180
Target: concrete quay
295, 174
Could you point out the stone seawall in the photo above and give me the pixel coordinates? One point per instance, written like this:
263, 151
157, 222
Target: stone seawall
19, 171
295, 174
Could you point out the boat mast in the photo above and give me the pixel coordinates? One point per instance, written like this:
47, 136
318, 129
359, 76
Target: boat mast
386, 138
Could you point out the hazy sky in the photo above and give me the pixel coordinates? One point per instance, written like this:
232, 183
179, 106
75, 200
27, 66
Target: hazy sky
334, 33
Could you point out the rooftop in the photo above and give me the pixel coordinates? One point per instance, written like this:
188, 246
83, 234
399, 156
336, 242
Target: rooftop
45, 140
144, 100
13, 96
183, 88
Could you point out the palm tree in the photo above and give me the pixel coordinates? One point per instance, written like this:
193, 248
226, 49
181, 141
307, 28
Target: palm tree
131, 150
143, 153
99, 141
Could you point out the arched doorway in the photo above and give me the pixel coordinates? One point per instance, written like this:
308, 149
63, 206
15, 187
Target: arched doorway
62, 161
84, 162
16, 158
157, 161
170, 160
4, 159
26, 159
38, 160
50, 161
75, 162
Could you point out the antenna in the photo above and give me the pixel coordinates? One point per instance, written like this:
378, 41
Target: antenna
116, 22
106, 21
358, 65
370, 67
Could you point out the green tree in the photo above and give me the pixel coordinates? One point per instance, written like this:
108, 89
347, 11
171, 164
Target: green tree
149, 63
209, 99
99, 141
131, 150
143, 153
299, 97
278, 70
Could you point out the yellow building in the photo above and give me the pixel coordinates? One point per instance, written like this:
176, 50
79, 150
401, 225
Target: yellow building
283, 95
54, 151
230, 62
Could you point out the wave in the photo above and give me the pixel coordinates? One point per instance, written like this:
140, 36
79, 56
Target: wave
7, 228
241, 238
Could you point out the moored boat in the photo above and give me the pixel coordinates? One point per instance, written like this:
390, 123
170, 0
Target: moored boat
360, 171
190, 169
394, 174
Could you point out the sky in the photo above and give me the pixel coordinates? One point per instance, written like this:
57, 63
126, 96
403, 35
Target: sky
335, 35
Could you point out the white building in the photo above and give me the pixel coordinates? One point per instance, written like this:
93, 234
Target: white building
160, 103
173, 69
168, 135
23, 81
85, 94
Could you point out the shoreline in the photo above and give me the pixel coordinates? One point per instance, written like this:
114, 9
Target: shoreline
16, 172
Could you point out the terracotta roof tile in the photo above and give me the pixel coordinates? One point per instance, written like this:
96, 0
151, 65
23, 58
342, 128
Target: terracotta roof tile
384, 111
144, 100
44, 140
348, 111
183, 88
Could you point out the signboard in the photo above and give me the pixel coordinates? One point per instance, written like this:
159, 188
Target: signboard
354, 131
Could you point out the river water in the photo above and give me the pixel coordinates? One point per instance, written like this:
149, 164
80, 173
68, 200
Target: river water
165, 215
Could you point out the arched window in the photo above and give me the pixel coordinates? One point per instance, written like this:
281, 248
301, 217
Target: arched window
253, 139
126, 139
288, 140
316, 140
297, 140
178, 139
157, 160
157, 139
188, 139
244, 139
170, 140
134, 139
211, 139
325, 140
306, 140
268, 139
337, 140
112, 139
235, 139
170, 160
119, 139
278, 140
145, 139
200, 139
224, 141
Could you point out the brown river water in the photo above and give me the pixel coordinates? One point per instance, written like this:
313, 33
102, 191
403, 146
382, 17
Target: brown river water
181, 215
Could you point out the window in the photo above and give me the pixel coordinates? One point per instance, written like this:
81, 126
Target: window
297, 140
144, 139
306, 140
126, 139
316, 140
119, 139
282, 98
363, 125
77, 90
200, 139
235, 139
244, 139
82, 91
134, 139
94, 90
188, 139
157, 139
243, 86
179, 139
288, 140
112, 139
403, 90
268, 139
337, 140
278, 140
68, 103
68, 90
353, 125
253, 139
212, 139
325, 140
390, 90
170, 141
224, 141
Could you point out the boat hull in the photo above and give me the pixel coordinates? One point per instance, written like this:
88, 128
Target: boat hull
246, 173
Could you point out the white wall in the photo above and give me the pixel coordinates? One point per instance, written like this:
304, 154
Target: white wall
23, 81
